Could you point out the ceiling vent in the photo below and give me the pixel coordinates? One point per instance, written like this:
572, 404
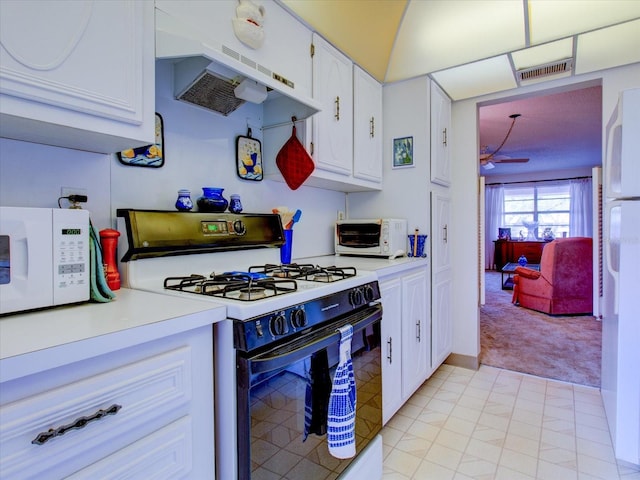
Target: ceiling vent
546, 70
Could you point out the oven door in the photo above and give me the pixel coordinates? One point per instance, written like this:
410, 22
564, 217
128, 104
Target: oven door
358, 235
272, 396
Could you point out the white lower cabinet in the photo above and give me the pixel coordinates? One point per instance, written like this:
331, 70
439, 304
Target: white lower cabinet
391, 292
140, 412
406, 336
165, 453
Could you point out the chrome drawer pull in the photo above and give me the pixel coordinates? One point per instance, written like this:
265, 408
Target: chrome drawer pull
337, 102
390, 350
81, 422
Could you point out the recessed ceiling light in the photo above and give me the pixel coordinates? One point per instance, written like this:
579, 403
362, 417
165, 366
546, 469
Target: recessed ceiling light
478, 78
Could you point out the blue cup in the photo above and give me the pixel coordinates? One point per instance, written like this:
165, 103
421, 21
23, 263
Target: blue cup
285, 250
419, 246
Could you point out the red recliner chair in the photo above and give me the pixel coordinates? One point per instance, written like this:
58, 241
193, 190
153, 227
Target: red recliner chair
564, 284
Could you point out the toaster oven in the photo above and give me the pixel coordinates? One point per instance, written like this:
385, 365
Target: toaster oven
377, 237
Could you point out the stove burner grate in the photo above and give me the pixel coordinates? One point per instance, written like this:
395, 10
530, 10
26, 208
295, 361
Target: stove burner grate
308, 272
234, 285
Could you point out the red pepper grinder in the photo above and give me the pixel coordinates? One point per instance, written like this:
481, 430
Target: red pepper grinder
109, 242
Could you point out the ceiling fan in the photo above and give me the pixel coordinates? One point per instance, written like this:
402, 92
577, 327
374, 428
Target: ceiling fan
488, 160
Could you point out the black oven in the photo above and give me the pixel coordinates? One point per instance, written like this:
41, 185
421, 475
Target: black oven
284, 319
277, 384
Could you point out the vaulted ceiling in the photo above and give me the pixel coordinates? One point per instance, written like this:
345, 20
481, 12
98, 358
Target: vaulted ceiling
475, 47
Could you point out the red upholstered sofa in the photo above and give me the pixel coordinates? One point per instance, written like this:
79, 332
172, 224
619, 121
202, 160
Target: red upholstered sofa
563, 286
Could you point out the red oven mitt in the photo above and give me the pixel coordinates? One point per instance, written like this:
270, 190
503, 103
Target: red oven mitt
294, 162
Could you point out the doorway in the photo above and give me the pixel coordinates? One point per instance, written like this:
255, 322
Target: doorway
559, 133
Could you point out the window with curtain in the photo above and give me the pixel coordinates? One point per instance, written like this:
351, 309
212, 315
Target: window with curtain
564, 206
547, 204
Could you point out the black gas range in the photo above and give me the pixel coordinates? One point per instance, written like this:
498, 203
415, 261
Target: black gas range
270, 280
281, 320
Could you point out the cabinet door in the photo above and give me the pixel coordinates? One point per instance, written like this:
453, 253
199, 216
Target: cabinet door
164, 455
333, 126
441, 325
78, 74
416, 333
367, 126
440, 220
440, 132
441, 321
501, 253
391, 292
155, 383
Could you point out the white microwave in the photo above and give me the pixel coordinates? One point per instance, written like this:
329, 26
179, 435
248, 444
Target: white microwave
44, 257
375, 237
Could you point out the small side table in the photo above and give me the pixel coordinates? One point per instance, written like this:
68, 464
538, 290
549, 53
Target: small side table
510, 268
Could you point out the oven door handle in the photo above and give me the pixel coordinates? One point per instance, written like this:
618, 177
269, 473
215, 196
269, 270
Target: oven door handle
313, 342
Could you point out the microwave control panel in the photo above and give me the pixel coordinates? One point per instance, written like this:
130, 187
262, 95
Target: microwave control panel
71, 256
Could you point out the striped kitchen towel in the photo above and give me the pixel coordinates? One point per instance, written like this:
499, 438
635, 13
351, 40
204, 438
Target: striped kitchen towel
341, 423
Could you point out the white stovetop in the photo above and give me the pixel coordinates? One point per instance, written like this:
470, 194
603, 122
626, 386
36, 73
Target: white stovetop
381, 266
149, 274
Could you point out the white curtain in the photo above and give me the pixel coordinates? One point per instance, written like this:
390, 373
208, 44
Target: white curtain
581, 209
494, 212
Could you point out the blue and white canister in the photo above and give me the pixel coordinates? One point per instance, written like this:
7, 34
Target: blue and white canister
235, 205
184, 202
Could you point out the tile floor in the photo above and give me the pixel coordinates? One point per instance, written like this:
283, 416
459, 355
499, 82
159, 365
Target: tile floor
497, 424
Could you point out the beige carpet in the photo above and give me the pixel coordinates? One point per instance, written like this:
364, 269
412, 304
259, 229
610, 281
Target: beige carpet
564, 348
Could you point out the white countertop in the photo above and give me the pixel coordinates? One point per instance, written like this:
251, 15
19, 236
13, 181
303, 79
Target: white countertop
60, 335
35, 341
381, 266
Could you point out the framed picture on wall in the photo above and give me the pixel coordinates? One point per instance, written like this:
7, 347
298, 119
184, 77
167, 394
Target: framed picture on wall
403, 152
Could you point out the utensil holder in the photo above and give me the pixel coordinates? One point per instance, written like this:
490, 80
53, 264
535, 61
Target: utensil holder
285, 250
422, 240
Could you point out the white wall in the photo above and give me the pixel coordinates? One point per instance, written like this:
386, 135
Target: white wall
199, 151
465, 199
32, 175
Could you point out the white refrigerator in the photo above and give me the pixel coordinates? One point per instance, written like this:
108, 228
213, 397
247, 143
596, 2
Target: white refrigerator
621, 278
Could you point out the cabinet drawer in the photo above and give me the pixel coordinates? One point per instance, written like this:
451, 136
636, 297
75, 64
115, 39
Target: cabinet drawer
151, 392
165, 454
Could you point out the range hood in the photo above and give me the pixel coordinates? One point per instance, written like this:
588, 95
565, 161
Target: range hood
207, 75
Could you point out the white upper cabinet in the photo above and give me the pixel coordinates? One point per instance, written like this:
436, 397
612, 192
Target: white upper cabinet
184, 25
329, 135
342, 162
332, 127
78, 74
440, 133
367, 126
